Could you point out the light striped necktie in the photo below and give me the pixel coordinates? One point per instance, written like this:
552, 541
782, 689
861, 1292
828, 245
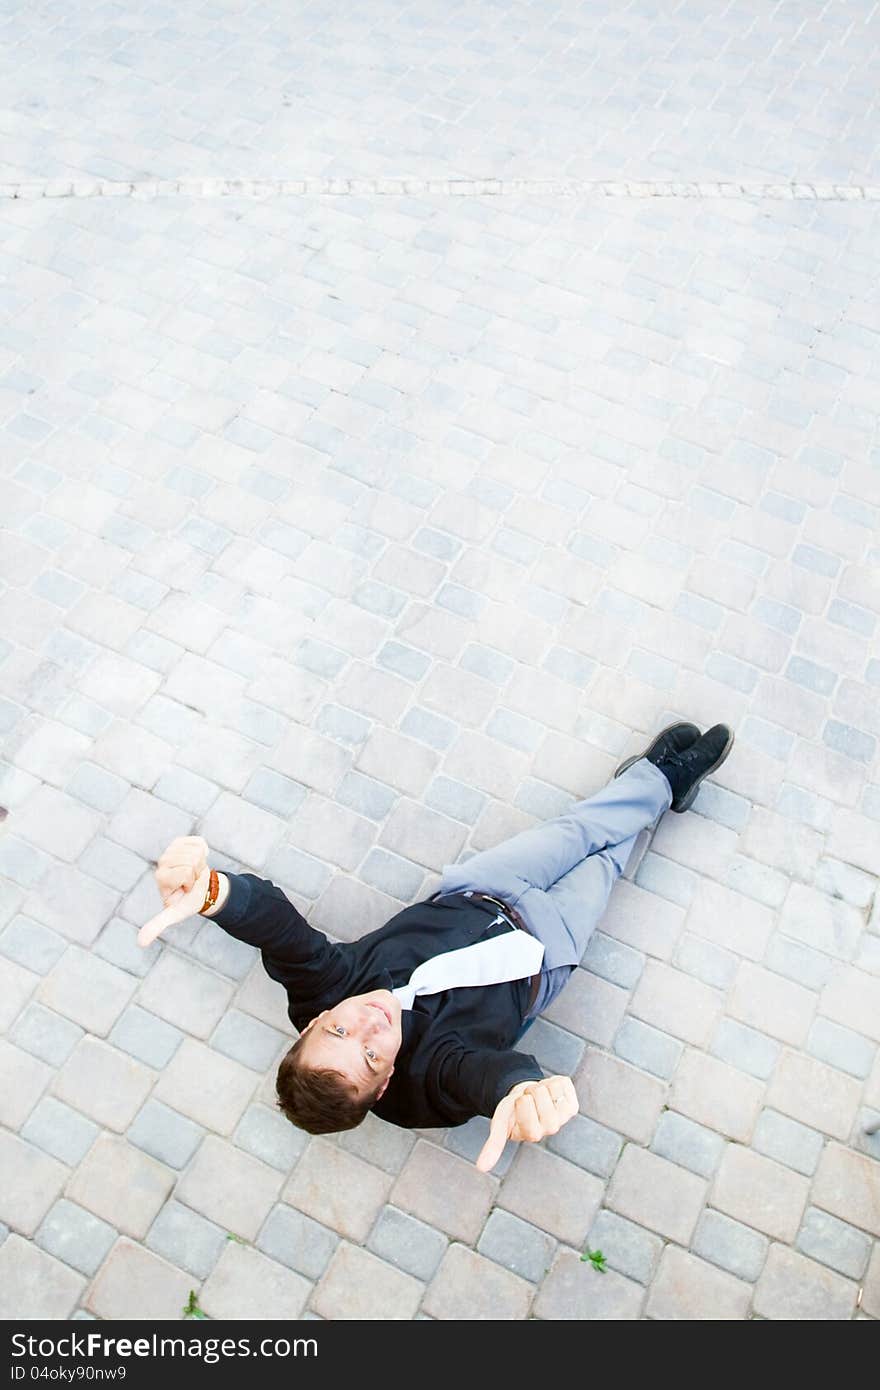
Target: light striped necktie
515, 955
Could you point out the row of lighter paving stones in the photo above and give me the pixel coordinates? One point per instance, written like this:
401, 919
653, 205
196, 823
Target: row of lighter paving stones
604, 90
442, 655
412, 187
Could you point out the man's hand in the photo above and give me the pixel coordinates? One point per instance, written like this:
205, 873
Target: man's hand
532, 1110
180, 866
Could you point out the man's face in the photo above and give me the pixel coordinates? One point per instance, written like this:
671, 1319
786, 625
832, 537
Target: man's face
359, 1037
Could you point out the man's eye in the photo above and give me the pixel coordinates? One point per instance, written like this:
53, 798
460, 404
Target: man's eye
339, 1030
371, 1054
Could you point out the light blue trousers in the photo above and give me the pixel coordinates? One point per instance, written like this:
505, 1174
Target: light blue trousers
559, 875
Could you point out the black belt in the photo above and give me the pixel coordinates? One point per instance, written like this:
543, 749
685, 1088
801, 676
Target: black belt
509, 913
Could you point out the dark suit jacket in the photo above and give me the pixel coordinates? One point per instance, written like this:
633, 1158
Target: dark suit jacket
456, 1058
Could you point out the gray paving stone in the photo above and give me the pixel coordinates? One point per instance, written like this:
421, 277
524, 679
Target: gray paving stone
405, 661
275, 793
758, 1191
672, 881
613, 961
843, 881
45, 1034
23, 1079
112, 865
745, 1048
541, 800
259, 723
841, 1047
455, 799
731, 1245
384, 1145
834, 1243
230, 1187
75, 1236
655, 1193
557, 1051
208, 1088
566, 1294
366, 796
244, 832
486, 662
186, 790
185, 995
146, 825
849, 741
145, 1037
323, 828
409, 1244
268, 1135
342, 724
391, 874
118, 945
186, 1239
422, 835
300, 872
687, 1289
798, 962
161, 1289
22, 863
647, 1048
57, 823
788, 1142
588, 1144
358, 1286
517, 1245
34, 1284
165, 1135
60, 1131
688, 1144
297, 1241
547, 1192
468, 1139
247, 1040
121, 1185
104, 1083
757, 881
628, 1248
88, 991
708, 962
723, 806
813, 1093
421, 1191
792, 1288
32, 945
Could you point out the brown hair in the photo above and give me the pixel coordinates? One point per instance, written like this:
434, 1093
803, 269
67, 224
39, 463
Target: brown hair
317, 1099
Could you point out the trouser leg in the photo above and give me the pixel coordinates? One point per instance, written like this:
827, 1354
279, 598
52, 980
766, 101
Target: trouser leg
549, 872
539, 857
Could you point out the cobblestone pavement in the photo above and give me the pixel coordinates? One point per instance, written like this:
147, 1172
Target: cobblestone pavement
356, 533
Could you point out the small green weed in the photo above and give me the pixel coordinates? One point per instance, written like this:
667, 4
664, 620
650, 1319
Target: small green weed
595, 1258
192, 1309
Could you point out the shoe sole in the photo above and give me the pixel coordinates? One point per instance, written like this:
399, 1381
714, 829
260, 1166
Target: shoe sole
691, 796
637, 757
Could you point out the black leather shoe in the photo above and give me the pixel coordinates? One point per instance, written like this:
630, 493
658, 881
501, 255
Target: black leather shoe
675, 738
685, 770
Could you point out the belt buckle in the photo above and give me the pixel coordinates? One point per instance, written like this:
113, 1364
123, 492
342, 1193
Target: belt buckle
502, 908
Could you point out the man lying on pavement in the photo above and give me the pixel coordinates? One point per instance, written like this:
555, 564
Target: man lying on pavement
418, 1020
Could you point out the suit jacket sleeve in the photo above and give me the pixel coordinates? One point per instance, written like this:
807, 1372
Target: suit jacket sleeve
476, 1080
294, 954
